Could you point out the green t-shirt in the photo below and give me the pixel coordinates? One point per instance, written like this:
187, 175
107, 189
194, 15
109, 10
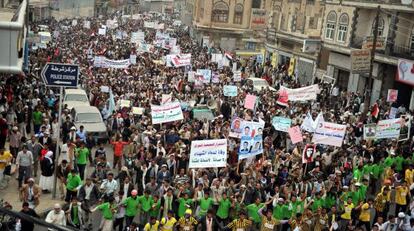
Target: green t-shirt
205, 205
377, 170
131, 206
154, 211
106, 210
82, 156
296, 207
357, 174
253, 212
73, 182
146, 203
362, 192
366, 170
183, 206
399, 161
37, 117
223, 209
389, 161
278, 211
318, 203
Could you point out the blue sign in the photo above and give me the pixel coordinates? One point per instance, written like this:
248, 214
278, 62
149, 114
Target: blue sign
60, 75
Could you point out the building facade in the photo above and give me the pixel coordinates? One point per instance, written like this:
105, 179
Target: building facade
349, 25
235, 25
294, 36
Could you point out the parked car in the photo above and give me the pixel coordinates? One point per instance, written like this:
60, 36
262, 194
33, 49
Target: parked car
259, 84
91, 119
75, 97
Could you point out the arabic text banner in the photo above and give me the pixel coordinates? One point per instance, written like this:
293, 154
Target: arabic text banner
251, 139
303, 93
208, 153
166, 113
281, 123
329, 134
388, 128
101, 61
230, 90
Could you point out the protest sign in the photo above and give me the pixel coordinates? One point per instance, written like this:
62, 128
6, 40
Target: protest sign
104, 89
309, 124
308, 152
229, 90
251, 139
215, 78
190, 77
392, 95
138, 110
102, 31
281, 123
166, 113
329, 134
150, 25
180, 60
101, 61
237, 76
74, 22
206, 73
295, 135
370, 131
393, 112
124, 103
133, 59
137, 37
87, 24
388, 128
235, 127
303, 93
250, 102
208, 153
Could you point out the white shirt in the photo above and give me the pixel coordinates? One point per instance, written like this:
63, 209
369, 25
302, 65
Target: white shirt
88, 190
56, 218
109, 186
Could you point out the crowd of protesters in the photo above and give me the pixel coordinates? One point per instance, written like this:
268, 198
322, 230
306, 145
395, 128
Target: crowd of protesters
362, 185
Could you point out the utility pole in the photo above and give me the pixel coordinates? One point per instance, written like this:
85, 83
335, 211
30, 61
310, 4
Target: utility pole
368, 86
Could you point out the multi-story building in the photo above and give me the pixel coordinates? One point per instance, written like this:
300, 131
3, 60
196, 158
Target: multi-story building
161, 6
61, 9
187, 12
349, 25
235, 25
294, 36
13, 28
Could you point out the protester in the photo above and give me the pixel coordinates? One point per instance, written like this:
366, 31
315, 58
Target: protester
25, 224
56, 216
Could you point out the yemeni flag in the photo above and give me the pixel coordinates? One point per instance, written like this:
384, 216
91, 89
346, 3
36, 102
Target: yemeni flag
283, 98
228, 55
179, 85
375, 110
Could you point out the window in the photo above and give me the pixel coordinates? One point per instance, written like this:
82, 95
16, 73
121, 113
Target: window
256, 4
250, 46
201, 9
380, 27
238, 14
313, 23
330, 25
343, 27
220, 12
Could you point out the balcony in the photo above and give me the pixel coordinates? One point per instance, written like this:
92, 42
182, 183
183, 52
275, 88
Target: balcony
402, 52
271, 35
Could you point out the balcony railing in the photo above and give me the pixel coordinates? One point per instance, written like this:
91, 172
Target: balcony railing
393, 2
403, 51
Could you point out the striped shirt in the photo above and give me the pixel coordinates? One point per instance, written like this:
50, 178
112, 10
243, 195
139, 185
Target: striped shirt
187, 224
238, 224
268, 225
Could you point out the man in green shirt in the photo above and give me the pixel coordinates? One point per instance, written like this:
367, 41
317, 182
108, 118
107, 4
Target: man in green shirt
37, 117
279, 209
108, 210
145, 202
184, 203
72, 184
205, 204
223, 208
131, 207
253, 212
155, 208
82, 154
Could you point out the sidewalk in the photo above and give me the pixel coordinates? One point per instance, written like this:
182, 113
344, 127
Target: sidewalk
11, 195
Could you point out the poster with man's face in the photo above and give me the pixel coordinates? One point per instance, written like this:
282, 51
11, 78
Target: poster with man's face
251, 138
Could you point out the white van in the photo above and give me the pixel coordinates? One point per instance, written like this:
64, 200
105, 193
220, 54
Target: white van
91, 119
75, 97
